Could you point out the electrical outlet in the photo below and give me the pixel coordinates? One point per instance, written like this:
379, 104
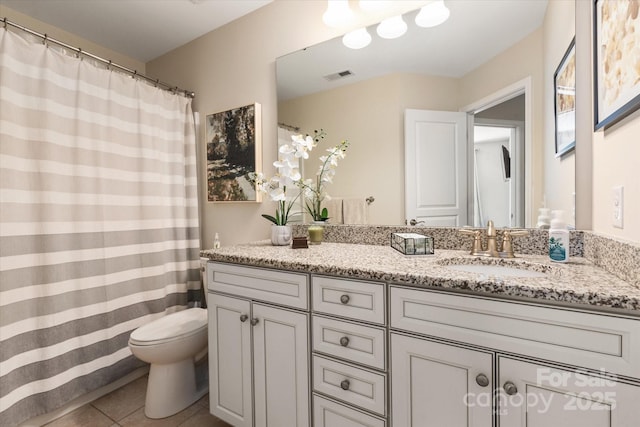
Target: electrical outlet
618, 206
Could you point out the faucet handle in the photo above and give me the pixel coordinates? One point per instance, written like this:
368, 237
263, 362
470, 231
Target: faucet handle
477, 239
507, 241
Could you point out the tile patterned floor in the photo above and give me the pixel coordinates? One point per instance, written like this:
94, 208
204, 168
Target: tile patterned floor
124, 407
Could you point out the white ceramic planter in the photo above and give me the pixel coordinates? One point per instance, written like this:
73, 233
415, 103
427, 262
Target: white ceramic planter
281, 235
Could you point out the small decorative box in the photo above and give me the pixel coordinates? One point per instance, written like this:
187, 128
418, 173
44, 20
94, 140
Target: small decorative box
412, 243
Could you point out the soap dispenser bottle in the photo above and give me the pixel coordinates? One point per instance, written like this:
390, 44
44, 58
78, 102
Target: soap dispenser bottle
216, 241
558, 238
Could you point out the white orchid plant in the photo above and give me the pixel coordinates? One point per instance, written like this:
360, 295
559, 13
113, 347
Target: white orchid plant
288, 176
314, 190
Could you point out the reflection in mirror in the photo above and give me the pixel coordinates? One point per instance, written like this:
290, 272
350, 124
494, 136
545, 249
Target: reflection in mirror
361, 95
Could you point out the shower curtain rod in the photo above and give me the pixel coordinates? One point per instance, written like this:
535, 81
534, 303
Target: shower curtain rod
110, 64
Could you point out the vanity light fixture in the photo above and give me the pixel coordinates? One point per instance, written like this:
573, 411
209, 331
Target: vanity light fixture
433, 14
392, 28
373, 5
338, 13
357, 39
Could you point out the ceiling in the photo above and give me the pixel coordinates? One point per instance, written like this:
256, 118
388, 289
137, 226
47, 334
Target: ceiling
476, 31
140, 29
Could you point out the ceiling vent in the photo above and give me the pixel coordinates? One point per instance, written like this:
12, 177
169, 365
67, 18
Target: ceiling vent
338, 75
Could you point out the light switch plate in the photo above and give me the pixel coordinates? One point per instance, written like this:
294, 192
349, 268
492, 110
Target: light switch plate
618, 206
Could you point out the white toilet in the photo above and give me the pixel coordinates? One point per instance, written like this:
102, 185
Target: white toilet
171, 345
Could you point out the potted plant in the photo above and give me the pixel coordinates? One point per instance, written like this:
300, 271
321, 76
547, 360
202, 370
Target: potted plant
286, 177
314, 189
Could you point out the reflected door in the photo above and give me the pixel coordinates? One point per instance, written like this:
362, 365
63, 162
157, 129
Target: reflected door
435, 168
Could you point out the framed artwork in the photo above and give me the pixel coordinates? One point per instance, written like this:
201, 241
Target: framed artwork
233, 143
617, 67
564, 86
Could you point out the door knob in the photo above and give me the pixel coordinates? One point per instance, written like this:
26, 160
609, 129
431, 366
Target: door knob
344, 341
482, 380
510, 388
344, 299
243, 317
345, 384
254, 321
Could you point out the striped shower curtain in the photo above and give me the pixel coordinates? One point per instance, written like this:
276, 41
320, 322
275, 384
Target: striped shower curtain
98, 222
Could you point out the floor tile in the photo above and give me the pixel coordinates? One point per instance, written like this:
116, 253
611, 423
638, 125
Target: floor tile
83, 417
204, 401
203, 418
123, 401
138, 419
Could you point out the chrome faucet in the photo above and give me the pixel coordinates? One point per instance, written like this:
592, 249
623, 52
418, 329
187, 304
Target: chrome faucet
492, 249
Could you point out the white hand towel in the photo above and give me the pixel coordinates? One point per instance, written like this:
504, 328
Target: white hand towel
354, 211
334, 209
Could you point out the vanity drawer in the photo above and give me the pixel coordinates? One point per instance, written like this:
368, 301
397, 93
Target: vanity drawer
588, 339
350, 341
327, 413
353, 299
359, 387
278, 287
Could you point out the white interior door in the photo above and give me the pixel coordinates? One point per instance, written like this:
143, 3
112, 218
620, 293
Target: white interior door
436, 167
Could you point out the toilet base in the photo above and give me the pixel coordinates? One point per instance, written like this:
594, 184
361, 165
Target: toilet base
172, 388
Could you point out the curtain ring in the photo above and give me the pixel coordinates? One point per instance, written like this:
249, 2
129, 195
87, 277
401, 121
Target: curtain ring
44, 40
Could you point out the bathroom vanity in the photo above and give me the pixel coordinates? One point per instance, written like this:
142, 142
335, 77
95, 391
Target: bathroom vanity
361, 335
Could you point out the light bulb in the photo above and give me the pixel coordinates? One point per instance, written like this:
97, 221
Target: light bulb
433, 14
357, 39
338, 13
392, 28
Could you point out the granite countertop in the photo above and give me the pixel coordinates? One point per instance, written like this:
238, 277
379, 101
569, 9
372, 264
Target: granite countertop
576, 282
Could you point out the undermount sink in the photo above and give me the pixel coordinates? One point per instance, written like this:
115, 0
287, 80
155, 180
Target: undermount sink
494, 267
495, 270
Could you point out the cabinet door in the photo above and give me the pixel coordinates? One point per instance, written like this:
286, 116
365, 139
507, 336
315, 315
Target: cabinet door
281, 367
533, 395
230, 360
435, 384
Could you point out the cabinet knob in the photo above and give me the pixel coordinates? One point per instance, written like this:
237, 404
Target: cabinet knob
482, 380
510, 388
344, 299
243, 317
344, 341
345, 384
254, 321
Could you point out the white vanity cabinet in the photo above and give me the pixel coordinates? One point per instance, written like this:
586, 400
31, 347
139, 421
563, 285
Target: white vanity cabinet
551, 366
350, 377
258, 346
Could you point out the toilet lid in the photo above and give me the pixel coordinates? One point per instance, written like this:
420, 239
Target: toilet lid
170, 327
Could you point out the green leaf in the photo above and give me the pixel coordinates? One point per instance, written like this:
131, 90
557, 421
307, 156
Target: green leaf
270, 218
324, 215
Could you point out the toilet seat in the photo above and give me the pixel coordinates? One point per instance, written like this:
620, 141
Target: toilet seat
171, 327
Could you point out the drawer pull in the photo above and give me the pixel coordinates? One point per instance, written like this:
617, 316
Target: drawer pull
510, 388
344, 299
482, 380
243, 318
345, 384
344, 341
254, 321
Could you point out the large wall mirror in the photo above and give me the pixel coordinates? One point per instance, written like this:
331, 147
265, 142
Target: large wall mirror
485, 61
